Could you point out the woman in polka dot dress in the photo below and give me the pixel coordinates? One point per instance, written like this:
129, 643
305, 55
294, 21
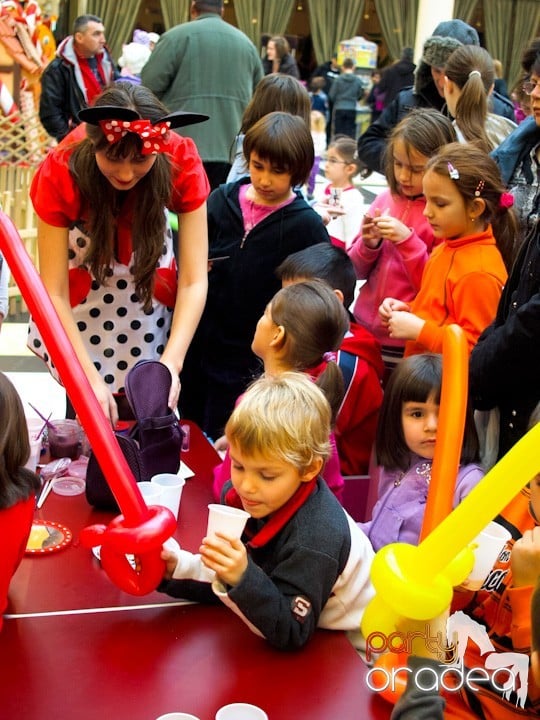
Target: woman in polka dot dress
105, 250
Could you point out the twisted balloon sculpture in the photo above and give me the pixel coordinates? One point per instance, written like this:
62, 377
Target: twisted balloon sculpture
140, 531
417, 581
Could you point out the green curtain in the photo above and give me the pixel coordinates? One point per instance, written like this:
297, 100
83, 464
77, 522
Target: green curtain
332, 21
464, 9
526, 27
249, 18
175, 12
119, 19
398, 24
275, 16
497, 24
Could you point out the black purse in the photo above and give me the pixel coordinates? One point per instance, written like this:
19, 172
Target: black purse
153, 444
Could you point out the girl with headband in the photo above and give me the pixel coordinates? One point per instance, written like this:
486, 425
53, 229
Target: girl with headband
105, 249
468, 208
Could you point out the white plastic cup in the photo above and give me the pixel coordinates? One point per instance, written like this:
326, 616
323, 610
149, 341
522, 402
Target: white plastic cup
151, 493
170, 486
177, 716
241, 711
35, 452
487, 545
34, 425
227, 520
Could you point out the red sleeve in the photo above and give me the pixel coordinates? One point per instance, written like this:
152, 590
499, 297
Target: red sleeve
190, 184
53, 192
15, 524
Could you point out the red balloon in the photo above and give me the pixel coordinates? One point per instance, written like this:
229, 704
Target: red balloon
137, 519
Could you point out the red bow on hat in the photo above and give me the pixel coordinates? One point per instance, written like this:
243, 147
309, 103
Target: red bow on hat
153, 137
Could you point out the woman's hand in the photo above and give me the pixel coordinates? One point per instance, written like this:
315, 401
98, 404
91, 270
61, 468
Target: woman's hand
174, 392
226, 556
105, 399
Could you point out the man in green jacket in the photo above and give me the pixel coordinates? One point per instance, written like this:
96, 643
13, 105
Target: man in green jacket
206, 66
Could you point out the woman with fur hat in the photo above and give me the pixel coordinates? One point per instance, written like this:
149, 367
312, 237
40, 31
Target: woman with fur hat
427, 90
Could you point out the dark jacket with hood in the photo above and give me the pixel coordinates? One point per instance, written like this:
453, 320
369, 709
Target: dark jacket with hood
287, 66
423, 94
396, 77
505, 361
240, 287
63, 92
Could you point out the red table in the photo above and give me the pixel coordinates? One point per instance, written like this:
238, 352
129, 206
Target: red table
75, 647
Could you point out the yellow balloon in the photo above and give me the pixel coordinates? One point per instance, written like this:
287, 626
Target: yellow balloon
417, 581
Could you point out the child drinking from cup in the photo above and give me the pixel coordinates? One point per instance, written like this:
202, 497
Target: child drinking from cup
18, 486
404, 450
302, 562
395, 238
468, 208
301, 329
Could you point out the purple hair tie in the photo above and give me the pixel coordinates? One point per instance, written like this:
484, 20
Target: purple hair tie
329, 357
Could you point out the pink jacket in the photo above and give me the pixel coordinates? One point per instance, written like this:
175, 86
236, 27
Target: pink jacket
392, 269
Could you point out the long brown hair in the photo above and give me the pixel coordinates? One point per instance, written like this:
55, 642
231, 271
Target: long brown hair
103, 202
315, 323
471, 68
277, 92
423, 129
415, 379
474, 166
16, 482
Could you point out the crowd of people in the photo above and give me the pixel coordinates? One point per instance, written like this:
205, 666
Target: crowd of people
252, 303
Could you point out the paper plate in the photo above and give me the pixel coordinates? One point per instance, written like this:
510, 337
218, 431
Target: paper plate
68, 485
47, 537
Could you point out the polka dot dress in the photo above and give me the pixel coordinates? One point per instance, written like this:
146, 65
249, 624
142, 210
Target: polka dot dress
116, 331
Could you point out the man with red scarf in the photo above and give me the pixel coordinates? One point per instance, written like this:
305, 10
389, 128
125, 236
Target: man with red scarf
82, 68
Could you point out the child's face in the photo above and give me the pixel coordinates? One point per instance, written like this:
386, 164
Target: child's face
265, 333
336, 169
446, 209
272, 184
124, 173
420, 421
409, 166
265, 483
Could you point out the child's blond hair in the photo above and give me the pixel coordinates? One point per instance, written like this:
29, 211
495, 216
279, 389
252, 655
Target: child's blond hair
286, 417
318, 121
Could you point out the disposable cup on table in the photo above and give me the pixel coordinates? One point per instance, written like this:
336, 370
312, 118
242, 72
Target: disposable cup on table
35, 426
241, 711
177, 716
35, 452
150, 492
227, 520
171, 487
486, 546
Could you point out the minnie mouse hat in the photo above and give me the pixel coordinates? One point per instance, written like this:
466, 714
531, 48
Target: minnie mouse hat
177, 119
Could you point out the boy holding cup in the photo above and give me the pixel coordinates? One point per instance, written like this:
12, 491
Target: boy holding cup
302, 561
